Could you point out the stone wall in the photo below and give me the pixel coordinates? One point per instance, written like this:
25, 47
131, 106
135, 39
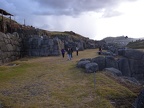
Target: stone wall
44, 46
10, 47
73, 40
132, 63
14, 46
32, 43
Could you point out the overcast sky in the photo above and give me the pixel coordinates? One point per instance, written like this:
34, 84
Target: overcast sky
95, 19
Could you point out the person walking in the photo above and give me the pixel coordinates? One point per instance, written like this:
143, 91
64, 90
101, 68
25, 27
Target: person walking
63, 52
69, 53
77, 49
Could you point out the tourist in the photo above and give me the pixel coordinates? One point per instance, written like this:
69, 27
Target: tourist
63, 52
77, 50
69, 53
100, 50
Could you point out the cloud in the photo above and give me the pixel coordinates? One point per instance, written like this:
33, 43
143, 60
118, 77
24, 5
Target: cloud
91, 18
17, 7
76, 7
111, 13
61, 7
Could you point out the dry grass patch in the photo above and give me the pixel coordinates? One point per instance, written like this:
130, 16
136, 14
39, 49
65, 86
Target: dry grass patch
54, 82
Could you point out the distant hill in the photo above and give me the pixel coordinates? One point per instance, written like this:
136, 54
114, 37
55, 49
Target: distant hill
138, 44
124, 40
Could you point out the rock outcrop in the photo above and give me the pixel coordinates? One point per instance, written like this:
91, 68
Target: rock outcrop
44, 46
130, 64
139, 103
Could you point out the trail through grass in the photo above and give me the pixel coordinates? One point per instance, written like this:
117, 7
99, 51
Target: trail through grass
55, 82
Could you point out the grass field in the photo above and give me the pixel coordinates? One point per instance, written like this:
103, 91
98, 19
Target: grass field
55, 82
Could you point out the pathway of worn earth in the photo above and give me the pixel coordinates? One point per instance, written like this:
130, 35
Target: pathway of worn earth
50, 82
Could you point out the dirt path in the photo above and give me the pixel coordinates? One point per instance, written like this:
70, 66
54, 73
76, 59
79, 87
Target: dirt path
49, 82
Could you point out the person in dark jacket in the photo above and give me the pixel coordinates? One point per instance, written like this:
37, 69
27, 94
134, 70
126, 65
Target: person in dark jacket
69, 53
63, 52
100, 50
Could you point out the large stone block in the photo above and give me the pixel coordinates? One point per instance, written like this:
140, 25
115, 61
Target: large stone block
139, 102
111, 62
113, 71
91, 67
123, 64
100, 61
81, 64
133, 54
10, 47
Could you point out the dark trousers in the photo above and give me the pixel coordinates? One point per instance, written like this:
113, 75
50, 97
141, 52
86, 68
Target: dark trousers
77, 53
63, 54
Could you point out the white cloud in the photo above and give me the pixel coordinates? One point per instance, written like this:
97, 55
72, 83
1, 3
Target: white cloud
130, 23
95, 19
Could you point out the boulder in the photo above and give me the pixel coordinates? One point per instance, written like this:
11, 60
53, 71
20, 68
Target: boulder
91, 67
100, 61
81, 64
89, 59
123, 64
131, 80
133, 54
139, 102
137, 68
111, 62
114, 71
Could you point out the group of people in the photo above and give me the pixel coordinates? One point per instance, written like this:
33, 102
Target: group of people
69, 52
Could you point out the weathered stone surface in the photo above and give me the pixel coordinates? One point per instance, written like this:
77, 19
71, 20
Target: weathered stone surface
91, 67
100, 61
81, 64
44, 46
111, 62
131, 80
114, 71
1, 36
143, 57
139, 103
9, 47
124, 67
137, 68
89, 59
129, 67
133, 54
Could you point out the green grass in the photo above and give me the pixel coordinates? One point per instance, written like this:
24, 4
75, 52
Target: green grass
68, 33
136, 45
54, 82
8, 72
108, 88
